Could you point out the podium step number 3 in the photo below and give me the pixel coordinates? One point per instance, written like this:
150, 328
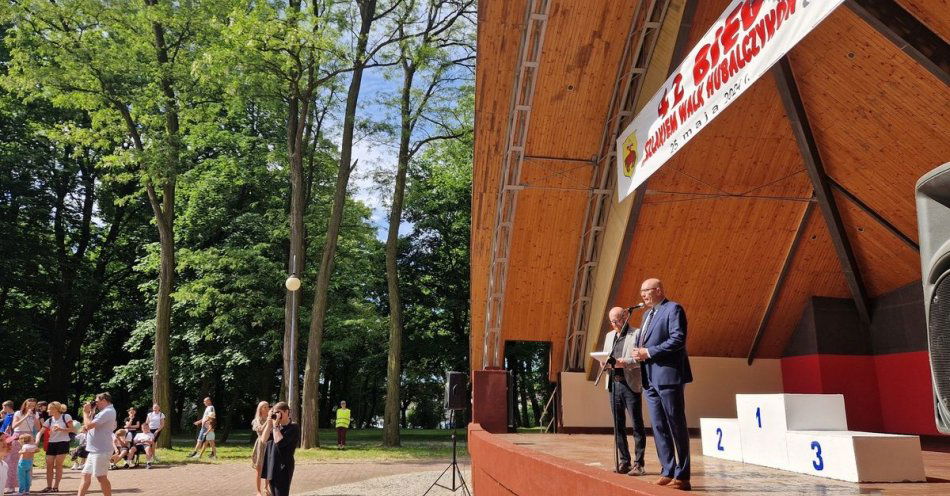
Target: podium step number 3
856, 456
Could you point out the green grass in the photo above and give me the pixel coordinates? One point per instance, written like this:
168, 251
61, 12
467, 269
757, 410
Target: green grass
362, 444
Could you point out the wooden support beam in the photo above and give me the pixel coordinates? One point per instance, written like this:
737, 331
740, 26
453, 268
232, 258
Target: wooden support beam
906, 32
798, 120
780, 282
876, 216
679, 52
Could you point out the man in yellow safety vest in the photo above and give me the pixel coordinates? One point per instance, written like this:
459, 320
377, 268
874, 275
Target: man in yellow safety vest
342, 424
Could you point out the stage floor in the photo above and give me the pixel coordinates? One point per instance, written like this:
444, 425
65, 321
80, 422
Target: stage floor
715, 476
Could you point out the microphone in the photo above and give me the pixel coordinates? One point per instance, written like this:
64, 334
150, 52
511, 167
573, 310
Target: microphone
635, 307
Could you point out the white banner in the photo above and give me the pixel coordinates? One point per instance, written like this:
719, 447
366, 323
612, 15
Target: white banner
747, 39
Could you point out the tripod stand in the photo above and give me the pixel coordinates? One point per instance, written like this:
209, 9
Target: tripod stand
454, 467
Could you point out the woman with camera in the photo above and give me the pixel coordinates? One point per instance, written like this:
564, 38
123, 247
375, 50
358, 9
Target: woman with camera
282, 437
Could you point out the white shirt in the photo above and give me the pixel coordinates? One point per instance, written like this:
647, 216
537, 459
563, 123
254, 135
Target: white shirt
154, 420
209, 411
64, 422
99, 438
28, 425
144, 437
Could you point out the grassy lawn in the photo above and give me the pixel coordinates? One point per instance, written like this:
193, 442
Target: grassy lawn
362, 444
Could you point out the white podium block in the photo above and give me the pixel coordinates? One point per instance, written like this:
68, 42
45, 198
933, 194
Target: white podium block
856, 456
720, 437
765, 419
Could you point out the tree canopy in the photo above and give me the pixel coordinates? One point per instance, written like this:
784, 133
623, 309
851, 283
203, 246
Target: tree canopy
163, 163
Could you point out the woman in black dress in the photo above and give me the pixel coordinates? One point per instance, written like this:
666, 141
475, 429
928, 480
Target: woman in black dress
282, 437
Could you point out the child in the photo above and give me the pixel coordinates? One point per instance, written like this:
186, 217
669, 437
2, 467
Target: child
210, 424
120, 448
5, 443
80, 451
25, 467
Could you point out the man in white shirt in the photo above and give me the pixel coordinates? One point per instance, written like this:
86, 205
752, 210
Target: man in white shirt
209, 412
98, 443
143, 441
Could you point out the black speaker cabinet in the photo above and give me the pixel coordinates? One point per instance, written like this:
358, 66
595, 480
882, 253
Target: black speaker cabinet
933, 222
456, 391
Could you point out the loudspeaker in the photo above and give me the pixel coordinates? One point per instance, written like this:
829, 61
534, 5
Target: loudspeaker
933, 223
456, 391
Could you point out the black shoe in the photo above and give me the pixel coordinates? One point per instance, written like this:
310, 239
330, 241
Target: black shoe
624, 468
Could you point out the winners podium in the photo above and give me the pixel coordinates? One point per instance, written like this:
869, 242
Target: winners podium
808, 433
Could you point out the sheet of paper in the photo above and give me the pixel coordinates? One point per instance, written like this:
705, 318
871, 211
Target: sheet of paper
600, 356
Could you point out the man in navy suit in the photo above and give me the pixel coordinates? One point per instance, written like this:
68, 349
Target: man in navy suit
665, 372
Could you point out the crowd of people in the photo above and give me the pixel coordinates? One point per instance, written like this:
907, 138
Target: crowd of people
95, 442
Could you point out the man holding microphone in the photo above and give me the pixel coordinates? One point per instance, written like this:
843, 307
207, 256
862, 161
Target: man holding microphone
625, 388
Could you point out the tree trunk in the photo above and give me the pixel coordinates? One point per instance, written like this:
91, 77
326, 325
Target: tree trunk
533, 396
523, 395
297, 121
394, 364
310, 414
165, 219
161, 381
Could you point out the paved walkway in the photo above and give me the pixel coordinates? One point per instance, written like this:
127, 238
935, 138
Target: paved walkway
232, 478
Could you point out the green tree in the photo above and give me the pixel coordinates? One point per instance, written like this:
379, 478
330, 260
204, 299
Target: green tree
432, 66
128, 65
434, 262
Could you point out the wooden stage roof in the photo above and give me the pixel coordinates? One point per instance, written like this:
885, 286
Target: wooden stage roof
734, 223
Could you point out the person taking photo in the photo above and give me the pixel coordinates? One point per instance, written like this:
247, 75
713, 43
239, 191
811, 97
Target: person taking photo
282, 437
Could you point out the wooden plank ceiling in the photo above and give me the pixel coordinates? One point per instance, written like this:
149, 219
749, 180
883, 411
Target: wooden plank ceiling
880, 122
580, 55
719, 218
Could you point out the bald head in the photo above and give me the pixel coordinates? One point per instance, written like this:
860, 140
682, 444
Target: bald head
617, 317
651, 291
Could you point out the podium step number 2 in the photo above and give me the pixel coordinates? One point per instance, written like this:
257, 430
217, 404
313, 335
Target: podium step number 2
720, 437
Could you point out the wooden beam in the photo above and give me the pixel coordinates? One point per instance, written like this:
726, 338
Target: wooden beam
905, 31
679, 52
680, 49
876, 216
798, 120
780, 282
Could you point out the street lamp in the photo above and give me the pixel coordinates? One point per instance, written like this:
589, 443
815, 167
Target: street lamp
293, 285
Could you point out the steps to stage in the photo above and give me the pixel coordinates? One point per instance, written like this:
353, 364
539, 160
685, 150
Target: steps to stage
808, 433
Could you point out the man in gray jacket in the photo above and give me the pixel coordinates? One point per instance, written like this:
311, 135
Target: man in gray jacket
625, 388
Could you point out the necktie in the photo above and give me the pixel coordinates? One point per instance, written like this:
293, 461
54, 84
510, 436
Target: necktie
646, 325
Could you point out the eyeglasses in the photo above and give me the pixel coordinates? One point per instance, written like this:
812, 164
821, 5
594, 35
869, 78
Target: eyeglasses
617, 321
647, 290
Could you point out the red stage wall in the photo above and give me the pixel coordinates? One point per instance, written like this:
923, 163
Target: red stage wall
882, 393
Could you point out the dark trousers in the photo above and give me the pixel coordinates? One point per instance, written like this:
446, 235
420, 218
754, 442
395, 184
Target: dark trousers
623, 400
341, 436
668, 413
